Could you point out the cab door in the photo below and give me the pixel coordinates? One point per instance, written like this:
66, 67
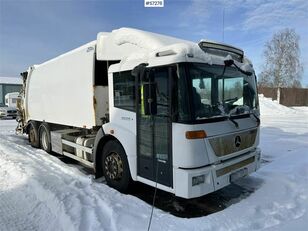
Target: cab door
154, 141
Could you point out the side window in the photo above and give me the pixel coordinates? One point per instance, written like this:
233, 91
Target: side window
161, 79
202, 86
124, 90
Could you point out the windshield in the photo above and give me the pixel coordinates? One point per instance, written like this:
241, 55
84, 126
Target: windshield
214, 92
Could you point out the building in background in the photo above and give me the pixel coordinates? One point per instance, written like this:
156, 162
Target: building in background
8, 85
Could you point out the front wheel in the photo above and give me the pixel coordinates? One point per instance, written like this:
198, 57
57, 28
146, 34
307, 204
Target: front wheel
115, 166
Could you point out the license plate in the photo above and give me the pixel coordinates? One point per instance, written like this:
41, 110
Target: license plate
238, 174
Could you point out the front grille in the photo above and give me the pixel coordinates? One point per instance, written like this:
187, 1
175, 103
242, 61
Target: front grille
228, 144
11, 111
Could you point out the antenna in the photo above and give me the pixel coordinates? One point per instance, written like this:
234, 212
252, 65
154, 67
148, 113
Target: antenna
223, 24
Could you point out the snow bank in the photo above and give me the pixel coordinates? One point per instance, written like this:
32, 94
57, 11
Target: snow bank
277, 116
270, 107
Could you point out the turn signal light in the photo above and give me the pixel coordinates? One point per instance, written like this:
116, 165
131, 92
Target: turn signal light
195, 134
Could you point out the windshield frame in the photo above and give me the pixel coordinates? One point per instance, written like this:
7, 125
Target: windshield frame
185, 78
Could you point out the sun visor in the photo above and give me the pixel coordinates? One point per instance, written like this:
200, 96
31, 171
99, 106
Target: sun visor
108, 48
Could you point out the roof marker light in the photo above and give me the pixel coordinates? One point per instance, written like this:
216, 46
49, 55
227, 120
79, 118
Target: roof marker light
165, 53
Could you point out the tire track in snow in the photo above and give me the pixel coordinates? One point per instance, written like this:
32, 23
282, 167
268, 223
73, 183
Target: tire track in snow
74, 200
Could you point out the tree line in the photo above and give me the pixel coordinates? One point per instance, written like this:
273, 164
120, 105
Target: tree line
282, 67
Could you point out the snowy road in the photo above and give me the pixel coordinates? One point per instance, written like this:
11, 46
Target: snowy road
40, 192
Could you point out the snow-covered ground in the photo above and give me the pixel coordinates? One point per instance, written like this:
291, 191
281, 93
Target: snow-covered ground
40, 192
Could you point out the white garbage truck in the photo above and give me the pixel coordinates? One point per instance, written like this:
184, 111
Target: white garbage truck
140, 106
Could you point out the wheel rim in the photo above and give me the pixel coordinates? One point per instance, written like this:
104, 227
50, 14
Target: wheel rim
44, 140
114, 166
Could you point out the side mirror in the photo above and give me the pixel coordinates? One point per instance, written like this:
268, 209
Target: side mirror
148, 89
139, 71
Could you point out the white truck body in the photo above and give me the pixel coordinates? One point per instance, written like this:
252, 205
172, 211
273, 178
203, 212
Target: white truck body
63, 93
63, 87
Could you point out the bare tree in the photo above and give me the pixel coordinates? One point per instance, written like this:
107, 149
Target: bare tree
282, 66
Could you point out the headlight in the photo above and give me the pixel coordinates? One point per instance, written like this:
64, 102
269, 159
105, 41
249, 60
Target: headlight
198, 180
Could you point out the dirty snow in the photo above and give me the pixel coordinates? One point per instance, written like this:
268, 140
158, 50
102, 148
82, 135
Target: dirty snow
40, 192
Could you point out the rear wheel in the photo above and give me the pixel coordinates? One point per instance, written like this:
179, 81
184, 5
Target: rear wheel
115, 166
45, 142
33, 135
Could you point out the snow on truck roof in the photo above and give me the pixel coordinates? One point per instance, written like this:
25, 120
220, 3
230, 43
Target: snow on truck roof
11, 80
132, 46
125, 41
129, 45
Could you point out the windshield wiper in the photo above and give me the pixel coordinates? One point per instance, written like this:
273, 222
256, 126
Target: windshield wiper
231, 100
228, 116
233, 121
240, 109
256, 117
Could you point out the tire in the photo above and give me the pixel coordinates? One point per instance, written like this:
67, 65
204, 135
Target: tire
45, 141
115, 166
33, 136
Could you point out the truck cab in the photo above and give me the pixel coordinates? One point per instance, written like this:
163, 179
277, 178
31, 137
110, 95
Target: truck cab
188, 117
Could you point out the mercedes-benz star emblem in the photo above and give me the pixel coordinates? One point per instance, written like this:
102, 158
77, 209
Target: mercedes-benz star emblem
237, 141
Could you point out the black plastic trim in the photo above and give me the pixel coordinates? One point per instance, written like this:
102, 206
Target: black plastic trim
99, 135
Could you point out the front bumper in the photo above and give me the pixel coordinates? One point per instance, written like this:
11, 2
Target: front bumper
213, 177
8, 115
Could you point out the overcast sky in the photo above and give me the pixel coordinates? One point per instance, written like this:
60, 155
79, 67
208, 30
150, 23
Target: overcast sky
33, 31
